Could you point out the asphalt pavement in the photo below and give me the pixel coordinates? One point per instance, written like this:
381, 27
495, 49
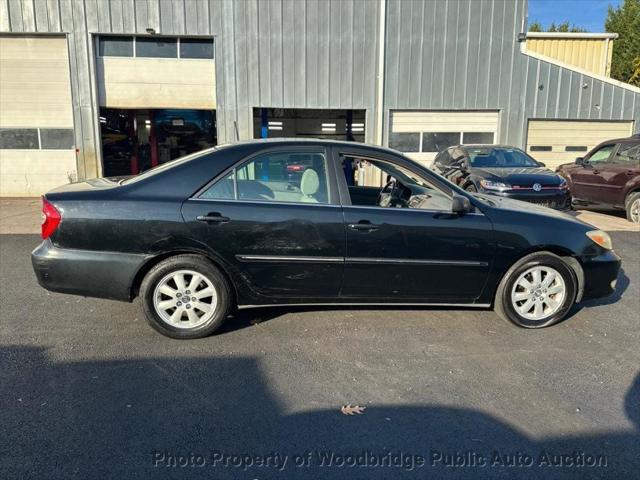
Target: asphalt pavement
88, 390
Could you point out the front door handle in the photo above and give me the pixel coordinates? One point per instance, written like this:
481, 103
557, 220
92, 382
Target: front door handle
363, 225
213, 217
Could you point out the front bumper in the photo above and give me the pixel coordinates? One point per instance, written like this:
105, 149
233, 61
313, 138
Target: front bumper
600, 275
84, 272
556, 199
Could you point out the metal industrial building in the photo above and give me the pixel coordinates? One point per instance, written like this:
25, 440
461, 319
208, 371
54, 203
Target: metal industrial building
86, 84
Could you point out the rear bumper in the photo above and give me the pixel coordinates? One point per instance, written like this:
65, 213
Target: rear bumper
600, 274
556, 199
83, 272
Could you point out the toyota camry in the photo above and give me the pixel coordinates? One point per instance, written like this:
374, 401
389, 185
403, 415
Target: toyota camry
230, 227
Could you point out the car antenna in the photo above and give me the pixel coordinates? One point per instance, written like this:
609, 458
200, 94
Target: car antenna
235, 128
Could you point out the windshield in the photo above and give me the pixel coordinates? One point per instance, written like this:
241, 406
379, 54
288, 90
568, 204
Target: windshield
488, 157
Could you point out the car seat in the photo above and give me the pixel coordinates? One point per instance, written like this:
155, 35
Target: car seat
309, 185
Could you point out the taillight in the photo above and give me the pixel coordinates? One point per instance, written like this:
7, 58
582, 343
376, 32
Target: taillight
50, 218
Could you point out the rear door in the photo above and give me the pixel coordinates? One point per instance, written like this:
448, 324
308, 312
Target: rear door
415, 253
587, 183
622, 167
282, 233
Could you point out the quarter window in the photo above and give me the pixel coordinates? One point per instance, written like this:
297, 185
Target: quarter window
295, 177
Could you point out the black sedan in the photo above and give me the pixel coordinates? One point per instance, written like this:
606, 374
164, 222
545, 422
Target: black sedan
505, 172
226, 228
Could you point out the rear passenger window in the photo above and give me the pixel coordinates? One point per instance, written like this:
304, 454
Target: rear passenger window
296, 177
627, 154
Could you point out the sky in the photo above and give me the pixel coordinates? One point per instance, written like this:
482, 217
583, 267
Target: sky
589, 14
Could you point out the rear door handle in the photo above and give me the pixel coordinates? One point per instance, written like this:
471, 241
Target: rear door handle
212, 218
363, 225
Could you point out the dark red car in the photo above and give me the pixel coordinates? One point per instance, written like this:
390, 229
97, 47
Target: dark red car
608, 175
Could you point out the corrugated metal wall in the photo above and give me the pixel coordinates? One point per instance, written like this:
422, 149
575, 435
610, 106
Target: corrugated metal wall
440, 54
591, 54
464, 54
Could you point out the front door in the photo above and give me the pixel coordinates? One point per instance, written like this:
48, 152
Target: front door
406, 245
275, 220
586, 180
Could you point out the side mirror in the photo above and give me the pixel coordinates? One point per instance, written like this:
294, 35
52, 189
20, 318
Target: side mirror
460, 204
579, 161
542, 164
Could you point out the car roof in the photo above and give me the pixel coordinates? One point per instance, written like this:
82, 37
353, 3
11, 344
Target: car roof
283, 141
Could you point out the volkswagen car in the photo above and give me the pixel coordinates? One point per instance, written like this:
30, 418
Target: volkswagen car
505, 172
227, 228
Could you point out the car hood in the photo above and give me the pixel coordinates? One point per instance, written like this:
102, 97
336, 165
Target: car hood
505, 203
523, 177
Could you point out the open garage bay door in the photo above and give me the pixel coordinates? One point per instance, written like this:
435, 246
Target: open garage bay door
555, 142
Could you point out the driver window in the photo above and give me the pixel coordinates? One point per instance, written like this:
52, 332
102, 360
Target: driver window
377, 183
601, 155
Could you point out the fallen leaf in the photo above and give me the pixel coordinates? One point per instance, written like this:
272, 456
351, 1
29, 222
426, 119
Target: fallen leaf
352, 409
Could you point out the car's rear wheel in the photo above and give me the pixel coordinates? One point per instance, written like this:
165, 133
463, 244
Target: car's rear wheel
537, 291
185, 297
633, 207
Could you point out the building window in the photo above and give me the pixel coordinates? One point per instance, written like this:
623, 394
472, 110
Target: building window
438, 141
405, 142
477, 138
196, 48
157, 47
570, 148
540, 148
19, 139
115, 46
56, 138
36, 138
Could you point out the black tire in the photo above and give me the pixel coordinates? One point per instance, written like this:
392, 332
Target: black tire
203, 267
630, 205
503, 305
471, 188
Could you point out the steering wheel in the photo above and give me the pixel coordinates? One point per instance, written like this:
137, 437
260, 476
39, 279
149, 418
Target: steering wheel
389, 195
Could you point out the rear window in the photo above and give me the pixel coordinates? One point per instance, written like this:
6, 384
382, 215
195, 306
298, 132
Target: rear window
166, 166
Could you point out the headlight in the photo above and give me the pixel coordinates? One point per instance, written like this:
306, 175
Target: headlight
490, 185
601, 238
563, 184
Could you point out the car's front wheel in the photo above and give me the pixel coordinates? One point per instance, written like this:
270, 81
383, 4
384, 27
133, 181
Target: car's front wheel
185, 297
537, 291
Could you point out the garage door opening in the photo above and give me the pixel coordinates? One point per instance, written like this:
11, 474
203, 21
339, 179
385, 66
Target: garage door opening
136, 140
346, 125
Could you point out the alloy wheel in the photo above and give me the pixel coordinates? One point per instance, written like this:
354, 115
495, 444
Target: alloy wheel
185, 299
538, 293
635, 211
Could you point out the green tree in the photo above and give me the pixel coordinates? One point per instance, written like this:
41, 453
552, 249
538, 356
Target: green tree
562, 27
625, 21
